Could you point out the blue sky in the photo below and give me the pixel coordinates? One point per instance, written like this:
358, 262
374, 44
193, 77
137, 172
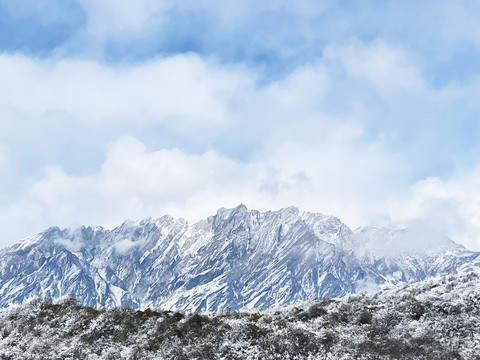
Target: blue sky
367, 110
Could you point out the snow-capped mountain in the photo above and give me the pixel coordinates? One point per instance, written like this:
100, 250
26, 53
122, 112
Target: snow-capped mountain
234, 259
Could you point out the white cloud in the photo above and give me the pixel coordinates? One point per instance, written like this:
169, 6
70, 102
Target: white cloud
450, 207
303, 156
307, 133
73, 241
135, 183
181, 92
389, 68
125, 245
132, 183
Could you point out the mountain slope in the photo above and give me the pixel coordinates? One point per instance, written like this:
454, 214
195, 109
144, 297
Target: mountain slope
235, 259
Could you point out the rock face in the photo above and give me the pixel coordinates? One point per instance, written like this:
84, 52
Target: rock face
235, 259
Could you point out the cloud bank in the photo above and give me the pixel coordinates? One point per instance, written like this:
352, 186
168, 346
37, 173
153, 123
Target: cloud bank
136, 109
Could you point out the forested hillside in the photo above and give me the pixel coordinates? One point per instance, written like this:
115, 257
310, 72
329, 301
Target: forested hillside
435, 319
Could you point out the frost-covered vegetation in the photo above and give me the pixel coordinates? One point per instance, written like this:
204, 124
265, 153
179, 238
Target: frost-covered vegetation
435, 319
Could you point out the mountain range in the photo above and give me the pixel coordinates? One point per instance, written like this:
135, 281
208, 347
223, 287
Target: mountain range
236, 259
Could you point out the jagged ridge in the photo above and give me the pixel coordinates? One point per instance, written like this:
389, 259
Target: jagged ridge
235, 259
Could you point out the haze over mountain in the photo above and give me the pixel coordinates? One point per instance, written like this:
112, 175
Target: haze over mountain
237, 258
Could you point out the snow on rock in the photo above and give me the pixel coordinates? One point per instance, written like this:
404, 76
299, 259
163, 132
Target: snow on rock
235, 259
